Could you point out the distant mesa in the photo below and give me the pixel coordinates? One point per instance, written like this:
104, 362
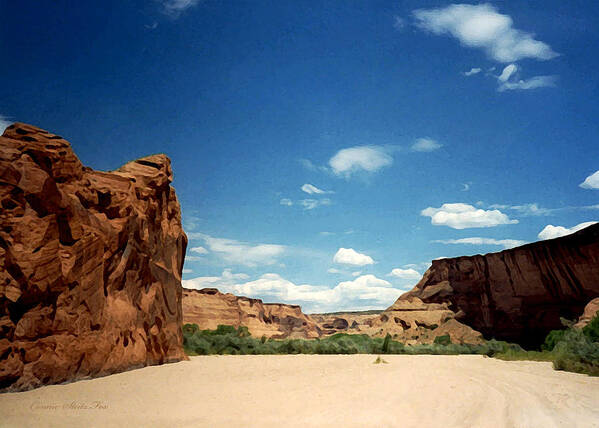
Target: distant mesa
90, 263
209, 308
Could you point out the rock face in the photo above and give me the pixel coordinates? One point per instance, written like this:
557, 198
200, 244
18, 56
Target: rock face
208, 308
590, 311
519, 294
90, 263
410, 321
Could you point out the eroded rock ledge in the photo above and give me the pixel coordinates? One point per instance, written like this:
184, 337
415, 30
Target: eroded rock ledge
209, 307
90, 263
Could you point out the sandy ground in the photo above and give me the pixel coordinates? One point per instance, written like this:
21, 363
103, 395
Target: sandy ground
317, 390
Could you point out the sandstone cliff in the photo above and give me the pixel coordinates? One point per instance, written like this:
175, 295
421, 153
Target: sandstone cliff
518, 294
90, 263
208, 308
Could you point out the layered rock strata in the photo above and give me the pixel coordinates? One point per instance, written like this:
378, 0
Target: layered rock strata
90, 263
519, 294
209, 308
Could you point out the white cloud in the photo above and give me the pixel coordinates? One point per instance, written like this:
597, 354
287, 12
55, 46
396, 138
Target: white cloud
356, 273
398, 22
591, 182
335, 271
360, 158
472, 72
463, 216
425, 145
532, 83
364, 292
187, 270
481, 26
310, 204
505, 243
405, 273
175, 7
526, 209
311, 190
349, 256
550, 231
242, 253
307, 204
507, 72
199, 250
325, 233
4, 123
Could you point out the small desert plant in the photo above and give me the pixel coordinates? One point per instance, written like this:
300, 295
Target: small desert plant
442, 340
386, 343
379, 360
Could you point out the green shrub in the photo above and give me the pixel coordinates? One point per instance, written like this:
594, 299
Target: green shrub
442, 340
552, 339
591, 330
386, 343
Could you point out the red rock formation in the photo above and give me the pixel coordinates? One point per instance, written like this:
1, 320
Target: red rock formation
410, 321
590, 311
208, 308
90, 263
518, 294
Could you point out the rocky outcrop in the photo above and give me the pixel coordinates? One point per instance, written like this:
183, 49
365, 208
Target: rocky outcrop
90, 263
591, 310
410, 321
518, 294
209, 308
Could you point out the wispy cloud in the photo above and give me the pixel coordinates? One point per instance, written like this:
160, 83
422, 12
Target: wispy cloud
408, 273
482, 26
591, 182
5, 122
464, 216
174, 8
399, 23
313, 190
529, 210
550, 231
507, 72
241, 253
360, 158
349, 256
472, 72
425, 145
307, 204
532, 83
199, 250
505, 243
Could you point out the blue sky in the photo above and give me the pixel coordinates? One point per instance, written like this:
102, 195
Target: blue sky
326, 152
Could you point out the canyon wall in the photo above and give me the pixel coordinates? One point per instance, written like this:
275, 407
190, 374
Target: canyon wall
208, 308
90, 263
518, 294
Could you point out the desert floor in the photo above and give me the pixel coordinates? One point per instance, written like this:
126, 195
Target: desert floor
317, 390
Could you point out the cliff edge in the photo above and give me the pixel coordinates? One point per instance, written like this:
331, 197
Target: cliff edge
90, 263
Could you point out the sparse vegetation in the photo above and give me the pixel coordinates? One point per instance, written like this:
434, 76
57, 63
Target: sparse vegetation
379, 360
228, 340
571, 349
442, 340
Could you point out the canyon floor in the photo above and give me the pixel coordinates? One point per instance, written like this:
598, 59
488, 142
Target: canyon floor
315, 391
